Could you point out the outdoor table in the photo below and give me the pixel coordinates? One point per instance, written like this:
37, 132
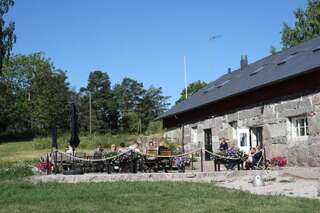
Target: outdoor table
218, 161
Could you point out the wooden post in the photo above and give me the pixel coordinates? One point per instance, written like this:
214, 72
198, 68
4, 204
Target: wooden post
55, 160
201, 159
192, 161
182, 139
47, 164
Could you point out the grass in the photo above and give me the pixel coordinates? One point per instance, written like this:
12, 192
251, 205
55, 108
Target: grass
86, 142
13, 152
19, 195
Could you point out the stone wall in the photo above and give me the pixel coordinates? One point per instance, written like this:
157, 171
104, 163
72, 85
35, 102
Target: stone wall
275, 120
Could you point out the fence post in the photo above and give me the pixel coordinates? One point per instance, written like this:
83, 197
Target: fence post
47, 162
55, 162
201, 159
192, 161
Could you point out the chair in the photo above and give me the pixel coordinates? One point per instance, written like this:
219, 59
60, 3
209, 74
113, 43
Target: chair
258, 160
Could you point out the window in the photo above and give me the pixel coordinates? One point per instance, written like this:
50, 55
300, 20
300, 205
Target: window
317, 49
223, 83
285, 60
300, 127
256, 71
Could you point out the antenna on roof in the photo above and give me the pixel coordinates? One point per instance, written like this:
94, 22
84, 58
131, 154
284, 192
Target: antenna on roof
185, 76
214, 37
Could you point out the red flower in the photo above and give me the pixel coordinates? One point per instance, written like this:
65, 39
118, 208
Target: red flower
279, 161
44, 166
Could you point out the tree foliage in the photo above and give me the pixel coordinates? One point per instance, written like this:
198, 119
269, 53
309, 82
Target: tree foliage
34, 96
7, 36
273, 50
126, 107
99, 88
307, 25
192, 88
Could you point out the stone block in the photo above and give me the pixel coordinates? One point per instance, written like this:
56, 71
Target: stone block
278, 129
232, 117
268, 113
254, 121
208, 123
314, 151
274, 150
244, 114
298, 156
316, 99
314, 125
286, 106
279, 140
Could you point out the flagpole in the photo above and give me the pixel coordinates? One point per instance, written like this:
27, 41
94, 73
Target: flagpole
185, 76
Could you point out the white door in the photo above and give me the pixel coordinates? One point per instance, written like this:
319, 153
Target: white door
243, 140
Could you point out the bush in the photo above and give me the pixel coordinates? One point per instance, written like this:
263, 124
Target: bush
15, 172
154, 127
170, 145
46, 142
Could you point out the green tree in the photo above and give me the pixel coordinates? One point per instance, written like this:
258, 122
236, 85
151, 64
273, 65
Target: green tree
49, 96
273, 50
127, 95
34, 96
152, 105
192, 88
99, 88
131, 122
7, 36
307, 25
131, 92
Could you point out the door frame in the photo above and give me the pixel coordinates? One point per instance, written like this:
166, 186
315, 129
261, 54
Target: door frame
207, 156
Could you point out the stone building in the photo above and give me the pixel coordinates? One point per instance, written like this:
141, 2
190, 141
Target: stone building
274, 101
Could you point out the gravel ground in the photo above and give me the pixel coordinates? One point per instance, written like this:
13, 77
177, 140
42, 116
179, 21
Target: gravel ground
292, 181
282, 183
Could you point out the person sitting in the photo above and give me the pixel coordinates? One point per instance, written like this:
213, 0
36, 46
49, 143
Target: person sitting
248, 163
231, 152
223, 145
122, 148
256, 158
70, 150
114, 148
98, 153
135, 147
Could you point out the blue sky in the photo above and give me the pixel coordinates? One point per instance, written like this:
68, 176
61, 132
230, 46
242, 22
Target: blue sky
146, 40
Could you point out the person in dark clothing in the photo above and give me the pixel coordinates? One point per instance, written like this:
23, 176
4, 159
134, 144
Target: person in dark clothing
257, 156
223, 145
98, 153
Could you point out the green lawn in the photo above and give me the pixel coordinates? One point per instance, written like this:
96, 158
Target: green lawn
13, 152
18, 195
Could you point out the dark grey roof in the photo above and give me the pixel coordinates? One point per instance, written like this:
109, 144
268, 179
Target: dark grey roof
283, 65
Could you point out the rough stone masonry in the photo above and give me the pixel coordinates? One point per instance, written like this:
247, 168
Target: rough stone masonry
276, 118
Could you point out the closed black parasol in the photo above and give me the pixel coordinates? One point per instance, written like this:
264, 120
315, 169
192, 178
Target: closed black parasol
54, 138
74, 141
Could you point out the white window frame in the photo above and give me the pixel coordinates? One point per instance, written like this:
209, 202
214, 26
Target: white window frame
295, 127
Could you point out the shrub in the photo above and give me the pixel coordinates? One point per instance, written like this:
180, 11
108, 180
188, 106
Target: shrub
15, 172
